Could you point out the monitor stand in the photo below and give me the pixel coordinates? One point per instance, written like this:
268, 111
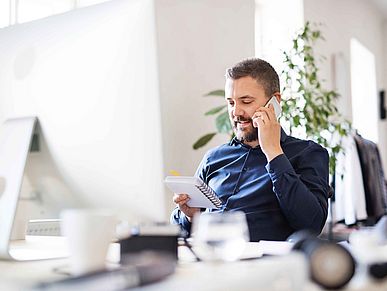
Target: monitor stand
15, 139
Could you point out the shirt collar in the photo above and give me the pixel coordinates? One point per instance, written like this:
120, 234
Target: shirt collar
236, 141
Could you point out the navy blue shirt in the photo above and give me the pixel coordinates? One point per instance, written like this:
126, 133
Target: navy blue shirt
287, 194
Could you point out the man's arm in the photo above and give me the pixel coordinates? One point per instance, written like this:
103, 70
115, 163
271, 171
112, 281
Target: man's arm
178, 217
302, 195
182, 214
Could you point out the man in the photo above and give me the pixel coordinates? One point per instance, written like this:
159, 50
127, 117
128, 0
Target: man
280, 182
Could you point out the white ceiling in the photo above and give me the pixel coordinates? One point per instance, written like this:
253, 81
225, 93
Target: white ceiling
382, 5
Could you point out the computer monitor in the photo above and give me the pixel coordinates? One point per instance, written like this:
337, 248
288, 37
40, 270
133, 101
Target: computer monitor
90, 76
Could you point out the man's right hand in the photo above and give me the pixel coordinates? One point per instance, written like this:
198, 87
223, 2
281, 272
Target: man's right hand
181, 201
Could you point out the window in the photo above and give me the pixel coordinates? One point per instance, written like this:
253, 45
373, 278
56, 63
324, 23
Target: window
28, 10
4, 13
276, 22
19, 11
364, 91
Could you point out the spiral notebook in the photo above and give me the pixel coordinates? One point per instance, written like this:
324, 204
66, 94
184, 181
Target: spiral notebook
200, 193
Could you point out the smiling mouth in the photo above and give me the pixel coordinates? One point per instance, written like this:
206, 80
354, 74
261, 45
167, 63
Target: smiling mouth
241, 124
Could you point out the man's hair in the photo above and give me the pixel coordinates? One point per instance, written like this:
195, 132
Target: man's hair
259, 70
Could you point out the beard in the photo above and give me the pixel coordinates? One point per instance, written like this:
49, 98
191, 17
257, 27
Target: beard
247, 134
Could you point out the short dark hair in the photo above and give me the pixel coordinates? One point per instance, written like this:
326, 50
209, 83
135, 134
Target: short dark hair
259, 70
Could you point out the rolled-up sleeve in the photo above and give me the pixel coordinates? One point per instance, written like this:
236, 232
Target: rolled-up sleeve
302, 195
178, 217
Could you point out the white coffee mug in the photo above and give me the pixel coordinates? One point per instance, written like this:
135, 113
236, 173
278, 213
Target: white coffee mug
89, 233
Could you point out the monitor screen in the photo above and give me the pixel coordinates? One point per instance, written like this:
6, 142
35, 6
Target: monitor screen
91, 78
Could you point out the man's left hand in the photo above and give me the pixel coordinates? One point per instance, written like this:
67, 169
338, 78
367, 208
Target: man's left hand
269, 132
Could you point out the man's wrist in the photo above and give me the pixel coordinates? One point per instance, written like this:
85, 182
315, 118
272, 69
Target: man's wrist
189, 218
273, 154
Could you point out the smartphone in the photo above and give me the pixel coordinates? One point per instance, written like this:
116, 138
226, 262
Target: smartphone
276, 105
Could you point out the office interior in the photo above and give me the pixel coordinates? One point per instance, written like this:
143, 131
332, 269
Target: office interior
192, 43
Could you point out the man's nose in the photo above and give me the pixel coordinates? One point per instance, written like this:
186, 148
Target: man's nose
237, 111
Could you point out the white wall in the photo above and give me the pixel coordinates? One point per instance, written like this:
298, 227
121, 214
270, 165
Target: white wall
342, 20
198, 40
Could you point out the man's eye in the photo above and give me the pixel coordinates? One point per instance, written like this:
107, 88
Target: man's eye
247, 102
230, 103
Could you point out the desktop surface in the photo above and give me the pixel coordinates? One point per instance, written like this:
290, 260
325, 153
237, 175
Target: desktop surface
287, 272
39, 248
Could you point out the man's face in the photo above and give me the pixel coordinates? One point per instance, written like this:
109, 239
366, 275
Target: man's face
244, 96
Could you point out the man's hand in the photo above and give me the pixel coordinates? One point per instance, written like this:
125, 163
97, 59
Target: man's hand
269, 132
181, 201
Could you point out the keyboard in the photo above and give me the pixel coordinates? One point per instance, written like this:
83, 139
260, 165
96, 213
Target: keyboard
43, 227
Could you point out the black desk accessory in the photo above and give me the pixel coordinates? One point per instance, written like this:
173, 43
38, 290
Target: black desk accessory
144, 268
331, 265
160, 238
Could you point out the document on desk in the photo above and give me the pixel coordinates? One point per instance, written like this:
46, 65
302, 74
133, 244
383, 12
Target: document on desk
254, 250
264, 247
275, 247
251, 251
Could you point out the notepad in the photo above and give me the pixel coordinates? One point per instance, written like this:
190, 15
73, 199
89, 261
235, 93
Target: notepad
201, 195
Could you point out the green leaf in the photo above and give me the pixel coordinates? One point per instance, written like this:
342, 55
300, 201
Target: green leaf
216, 93
203, 140
296, 120
316, 34
223, 124
295, 44
215, 110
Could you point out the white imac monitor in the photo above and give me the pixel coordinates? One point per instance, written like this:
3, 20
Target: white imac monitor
90, 76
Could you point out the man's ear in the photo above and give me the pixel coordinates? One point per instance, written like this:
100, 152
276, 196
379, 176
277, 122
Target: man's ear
277, 96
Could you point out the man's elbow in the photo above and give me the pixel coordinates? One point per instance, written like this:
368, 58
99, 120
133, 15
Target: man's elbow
317, 223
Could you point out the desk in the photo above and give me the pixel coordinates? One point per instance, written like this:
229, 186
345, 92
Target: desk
288, 272
22, 275
268, 273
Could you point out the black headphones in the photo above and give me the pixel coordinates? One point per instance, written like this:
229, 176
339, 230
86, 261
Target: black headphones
331, 265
